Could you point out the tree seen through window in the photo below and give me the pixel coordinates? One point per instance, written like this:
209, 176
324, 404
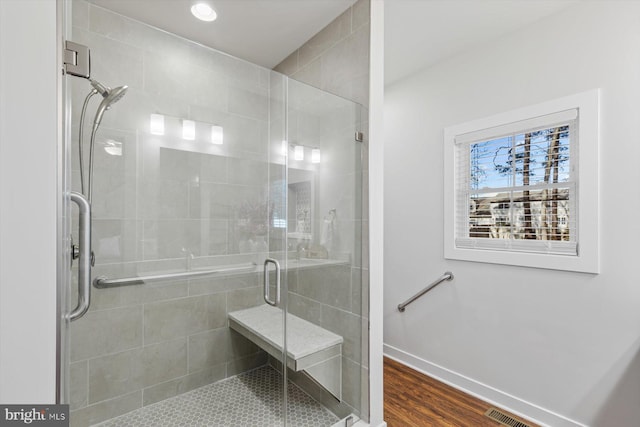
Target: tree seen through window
520, 186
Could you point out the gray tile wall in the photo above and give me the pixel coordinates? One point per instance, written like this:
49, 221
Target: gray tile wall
337, 58
158, 340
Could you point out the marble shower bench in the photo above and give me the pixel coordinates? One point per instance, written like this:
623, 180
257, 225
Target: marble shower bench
310, 348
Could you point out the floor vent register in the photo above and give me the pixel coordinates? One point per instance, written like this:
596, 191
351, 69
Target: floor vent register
504, 419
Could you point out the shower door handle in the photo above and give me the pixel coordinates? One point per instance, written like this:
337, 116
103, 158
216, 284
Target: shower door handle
84, 258
267, 297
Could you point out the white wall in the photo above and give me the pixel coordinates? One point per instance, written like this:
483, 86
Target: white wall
28, 195
559, 347
376, 212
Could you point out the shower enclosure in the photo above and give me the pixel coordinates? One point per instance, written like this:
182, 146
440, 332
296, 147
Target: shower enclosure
227, 234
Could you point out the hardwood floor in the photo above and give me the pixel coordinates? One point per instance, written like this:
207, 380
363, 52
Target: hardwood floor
412, 399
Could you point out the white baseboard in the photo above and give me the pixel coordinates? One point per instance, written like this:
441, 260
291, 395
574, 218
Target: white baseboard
515, 405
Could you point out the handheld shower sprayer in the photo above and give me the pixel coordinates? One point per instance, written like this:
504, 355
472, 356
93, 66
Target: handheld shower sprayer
111, 96
114, 95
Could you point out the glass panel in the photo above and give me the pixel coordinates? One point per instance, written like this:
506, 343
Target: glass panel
186, 178
531, 158
277, 223
325, 239
542, 215
529, 215
491, 163
543, 156
490, 215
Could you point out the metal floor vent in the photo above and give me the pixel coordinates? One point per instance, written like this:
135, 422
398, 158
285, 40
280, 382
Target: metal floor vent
504, 419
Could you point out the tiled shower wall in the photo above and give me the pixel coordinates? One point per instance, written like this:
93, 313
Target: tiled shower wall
162, 204
336, 60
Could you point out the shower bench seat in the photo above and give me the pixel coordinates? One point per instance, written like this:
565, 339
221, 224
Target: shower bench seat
310, 348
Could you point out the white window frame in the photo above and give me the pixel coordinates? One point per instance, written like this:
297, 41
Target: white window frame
586, 156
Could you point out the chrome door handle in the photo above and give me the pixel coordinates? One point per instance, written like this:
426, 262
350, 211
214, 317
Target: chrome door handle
267, 297
84, 256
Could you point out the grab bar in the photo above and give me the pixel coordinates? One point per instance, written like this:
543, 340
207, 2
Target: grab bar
84, 255
102, 282
446, 276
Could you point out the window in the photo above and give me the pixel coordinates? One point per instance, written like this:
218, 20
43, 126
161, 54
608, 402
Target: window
517, 185
521, 187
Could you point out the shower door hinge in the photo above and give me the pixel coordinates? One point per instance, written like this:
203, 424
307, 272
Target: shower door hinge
359, 136
77, 59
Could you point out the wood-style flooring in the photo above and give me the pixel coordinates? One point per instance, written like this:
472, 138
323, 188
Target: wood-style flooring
412, 399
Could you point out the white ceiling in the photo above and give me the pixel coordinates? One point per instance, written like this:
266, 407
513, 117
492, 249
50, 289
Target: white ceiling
420, 33
260, 31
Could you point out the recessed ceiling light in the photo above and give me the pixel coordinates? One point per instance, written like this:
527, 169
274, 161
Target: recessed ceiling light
204, 12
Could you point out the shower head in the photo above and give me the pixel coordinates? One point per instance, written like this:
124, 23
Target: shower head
111, 96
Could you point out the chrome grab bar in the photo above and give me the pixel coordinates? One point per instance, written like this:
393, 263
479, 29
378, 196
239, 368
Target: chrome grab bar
101, 282
84, 255
446, 276
266, 281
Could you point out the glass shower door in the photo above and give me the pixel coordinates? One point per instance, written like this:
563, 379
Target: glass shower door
188, 189
205, 169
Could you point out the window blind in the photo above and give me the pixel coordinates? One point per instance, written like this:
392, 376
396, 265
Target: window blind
516, 186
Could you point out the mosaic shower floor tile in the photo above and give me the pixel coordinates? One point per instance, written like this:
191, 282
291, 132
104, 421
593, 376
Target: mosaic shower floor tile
252, 399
